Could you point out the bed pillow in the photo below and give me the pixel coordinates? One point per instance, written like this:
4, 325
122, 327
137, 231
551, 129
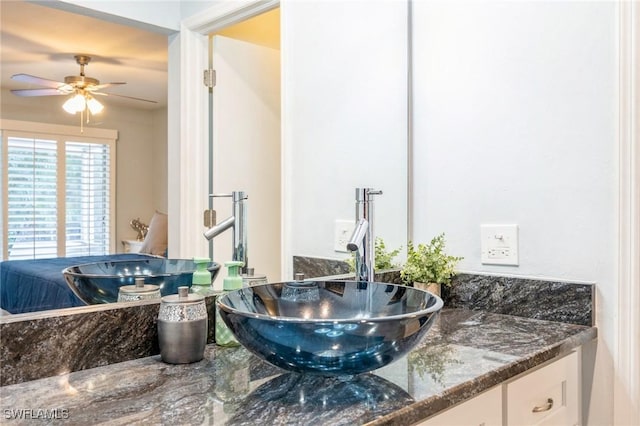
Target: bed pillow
156, 240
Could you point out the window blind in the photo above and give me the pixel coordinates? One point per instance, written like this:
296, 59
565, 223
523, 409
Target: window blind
32, 205
58, 198
87, 198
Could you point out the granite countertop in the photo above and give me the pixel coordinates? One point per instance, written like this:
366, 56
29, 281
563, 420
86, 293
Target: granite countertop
465, 353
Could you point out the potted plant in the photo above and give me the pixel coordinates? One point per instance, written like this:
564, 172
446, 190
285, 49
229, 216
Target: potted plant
428, 266
383, 258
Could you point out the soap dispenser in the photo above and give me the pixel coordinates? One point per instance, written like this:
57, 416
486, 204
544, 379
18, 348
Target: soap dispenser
224, 336
201, 280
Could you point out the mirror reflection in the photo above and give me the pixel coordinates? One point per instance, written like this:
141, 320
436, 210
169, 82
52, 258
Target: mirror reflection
141, 174
110, 185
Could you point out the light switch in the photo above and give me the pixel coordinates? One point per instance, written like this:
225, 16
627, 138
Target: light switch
499, 244
343, 231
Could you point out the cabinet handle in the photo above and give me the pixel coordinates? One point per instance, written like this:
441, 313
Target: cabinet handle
545, 407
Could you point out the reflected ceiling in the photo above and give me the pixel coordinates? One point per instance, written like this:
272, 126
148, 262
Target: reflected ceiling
42, 41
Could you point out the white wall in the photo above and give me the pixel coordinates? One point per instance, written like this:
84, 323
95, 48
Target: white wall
515, 122
140, 149
344, 118
193, 7
160, 16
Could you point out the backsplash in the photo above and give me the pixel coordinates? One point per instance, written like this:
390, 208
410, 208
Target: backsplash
81, 338
313, 267
560, 301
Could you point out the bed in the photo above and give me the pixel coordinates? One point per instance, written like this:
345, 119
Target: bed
38, 285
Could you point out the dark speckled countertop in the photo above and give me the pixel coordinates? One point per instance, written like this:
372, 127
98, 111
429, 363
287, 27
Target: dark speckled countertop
465, 353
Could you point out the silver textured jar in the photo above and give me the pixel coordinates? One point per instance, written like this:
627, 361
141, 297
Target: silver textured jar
250, 278
182, 327
139, 291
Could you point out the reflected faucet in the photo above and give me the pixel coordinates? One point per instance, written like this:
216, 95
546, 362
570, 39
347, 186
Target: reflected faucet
237, 221
362, 240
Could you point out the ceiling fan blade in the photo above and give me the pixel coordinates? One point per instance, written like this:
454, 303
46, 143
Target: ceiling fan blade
32, 79
37, 92
122, 96
102, 86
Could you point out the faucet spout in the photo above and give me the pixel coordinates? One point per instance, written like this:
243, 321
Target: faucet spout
238, 222
362, 240
218, 229
356, 242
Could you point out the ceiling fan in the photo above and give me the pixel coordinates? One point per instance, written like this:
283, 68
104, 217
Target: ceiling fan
73, 85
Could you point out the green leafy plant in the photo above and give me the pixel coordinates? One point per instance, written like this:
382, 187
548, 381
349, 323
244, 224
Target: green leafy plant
428, 263
433, 359
383, 258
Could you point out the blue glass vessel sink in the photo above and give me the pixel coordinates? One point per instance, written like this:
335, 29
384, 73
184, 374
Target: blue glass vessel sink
329, 327
99, 282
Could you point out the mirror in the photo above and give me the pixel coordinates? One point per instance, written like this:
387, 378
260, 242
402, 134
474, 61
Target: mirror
345, 150
42, 41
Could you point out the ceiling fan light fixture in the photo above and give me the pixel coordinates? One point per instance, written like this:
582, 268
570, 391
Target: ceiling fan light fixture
94, 105
76, 103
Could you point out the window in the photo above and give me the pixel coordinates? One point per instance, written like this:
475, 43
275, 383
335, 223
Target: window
57, 192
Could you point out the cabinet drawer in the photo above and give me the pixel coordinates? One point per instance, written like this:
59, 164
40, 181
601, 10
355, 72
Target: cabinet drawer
483, 410
548, 396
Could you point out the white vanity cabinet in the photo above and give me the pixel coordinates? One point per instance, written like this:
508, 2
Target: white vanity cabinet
549, 395
483, 410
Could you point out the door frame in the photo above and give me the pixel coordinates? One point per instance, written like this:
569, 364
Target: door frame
627, 352
188, 130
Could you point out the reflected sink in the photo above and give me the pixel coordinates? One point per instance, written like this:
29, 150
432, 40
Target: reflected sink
99, 282
330, 328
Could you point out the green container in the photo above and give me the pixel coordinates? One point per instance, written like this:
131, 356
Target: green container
224, 336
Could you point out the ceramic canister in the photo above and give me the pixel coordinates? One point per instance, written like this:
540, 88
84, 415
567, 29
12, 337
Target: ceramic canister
250, 278
182, 327
139, 291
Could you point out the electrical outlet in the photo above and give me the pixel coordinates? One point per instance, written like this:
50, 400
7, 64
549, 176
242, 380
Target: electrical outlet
343, 231
499, 244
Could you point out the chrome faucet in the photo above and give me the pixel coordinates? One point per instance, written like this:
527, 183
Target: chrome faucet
362, 240
237, 221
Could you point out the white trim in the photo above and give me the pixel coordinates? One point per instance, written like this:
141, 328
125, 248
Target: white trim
3, 196
410, 134
223, 14
286, 151
627, 355
187, 156
57, 129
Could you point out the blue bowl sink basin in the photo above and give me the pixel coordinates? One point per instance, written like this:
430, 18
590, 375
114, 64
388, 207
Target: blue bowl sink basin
99, 282
330, 328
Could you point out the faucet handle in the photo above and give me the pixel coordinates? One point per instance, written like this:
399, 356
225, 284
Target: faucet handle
236, 195
363, 194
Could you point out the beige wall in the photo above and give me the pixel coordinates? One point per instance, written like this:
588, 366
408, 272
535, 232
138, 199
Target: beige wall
263, 30
159, 171
141, 180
